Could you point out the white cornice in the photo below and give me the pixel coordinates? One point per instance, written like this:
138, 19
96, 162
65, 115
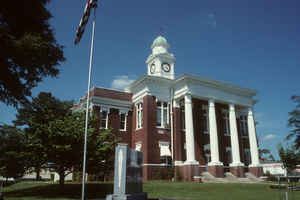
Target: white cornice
144, 79
181, 92
192, 79
216, 84
112, 103
197, 86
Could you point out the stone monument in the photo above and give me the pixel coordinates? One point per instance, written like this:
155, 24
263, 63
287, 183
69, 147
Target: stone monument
128, 175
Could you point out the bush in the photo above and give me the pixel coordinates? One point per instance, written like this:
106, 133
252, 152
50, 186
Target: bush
270, 177
171, 172
178, 175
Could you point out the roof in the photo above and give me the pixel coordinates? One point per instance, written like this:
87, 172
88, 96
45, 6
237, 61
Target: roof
109, 93
160, 41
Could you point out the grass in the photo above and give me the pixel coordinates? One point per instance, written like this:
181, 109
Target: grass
178, 191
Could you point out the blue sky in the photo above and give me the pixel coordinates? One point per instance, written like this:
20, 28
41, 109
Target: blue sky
253, 44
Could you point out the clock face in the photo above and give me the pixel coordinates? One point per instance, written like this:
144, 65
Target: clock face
165, 67
152, 68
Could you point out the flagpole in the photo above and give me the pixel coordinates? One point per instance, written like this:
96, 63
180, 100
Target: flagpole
87, 108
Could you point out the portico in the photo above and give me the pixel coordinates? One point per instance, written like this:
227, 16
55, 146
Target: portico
217, 123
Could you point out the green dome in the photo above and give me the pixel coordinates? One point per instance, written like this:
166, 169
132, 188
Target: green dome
160, 41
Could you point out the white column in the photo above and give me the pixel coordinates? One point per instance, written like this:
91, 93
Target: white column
213, 134
252, 140
235, 149
189, 131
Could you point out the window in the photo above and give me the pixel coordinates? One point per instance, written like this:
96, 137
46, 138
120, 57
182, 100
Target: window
104, 118
206, 149
205, 120
247, 156
138, 146
182, 115
162, 114
225, 115
123, 119
229, 155
244, 125
139, 115
164, 151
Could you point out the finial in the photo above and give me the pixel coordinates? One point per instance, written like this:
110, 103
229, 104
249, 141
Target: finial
161, 31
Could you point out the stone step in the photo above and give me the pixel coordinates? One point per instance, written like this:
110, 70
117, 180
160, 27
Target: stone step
229, 177
253, 178
207, 177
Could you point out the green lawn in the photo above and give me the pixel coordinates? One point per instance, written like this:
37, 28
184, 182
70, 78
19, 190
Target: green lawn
178, 191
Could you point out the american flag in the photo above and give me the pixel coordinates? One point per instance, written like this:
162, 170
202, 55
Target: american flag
85, 18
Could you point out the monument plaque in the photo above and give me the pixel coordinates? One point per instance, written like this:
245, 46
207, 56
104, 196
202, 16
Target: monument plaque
128, 175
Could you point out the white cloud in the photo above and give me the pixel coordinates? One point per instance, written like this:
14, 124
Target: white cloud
269, 137
121, 82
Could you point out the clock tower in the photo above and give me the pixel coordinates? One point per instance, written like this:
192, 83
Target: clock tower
161, 63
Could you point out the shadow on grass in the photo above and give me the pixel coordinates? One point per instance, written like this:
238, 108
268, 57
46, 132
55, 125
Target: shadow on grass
72, 190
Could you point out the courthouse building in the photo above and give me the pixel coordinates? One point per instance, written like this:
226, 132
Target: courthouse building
196, 123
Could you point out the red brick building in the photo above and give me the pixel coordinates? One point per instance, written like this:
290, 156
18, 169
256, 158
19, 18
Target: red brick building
195, 123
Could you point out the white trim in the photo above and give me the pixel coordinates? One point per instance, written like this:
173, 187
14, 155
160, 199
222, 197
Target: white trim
138, 97
154, 164
112, 103
197, 86
217, 84
178, 162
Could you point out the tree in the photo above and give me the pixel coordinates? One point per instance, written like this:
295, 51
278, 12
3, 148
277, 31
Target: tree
12, 156
35, 118
29, 51
65, 145
56, 136
294, 123
265, 154
289, 157
100, 152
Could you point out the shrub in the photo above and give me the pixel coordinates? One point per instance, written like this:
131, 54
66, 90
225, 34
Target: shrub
178, 175
171, 172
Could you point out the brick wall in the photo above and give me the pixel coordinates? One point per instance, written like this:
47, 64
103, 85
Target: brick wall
149, 135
